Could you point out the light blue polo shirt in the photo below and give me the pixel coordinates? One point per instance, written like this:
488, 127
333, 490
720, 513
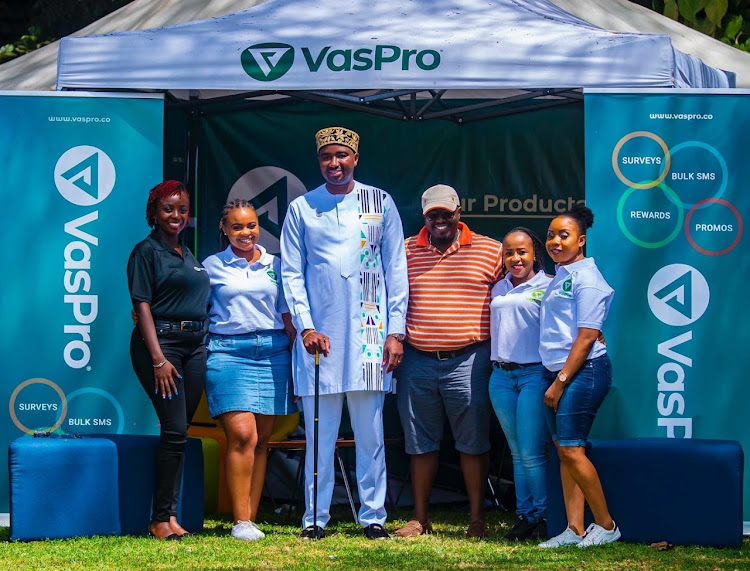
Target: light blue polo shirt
514, 319
578, 296
244, 297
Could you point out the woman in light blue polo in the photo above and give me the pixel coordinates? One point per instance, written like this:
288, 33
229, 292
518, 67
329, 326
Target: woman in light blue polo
578, 373
516, 388
248, 377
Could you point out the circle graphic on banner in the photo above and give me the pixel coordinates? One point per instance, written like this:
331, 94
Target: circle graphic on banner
269, 190
664, 167
714, 227
699, 178
81, 417
678, 294
63, 404
84, 175
674, 201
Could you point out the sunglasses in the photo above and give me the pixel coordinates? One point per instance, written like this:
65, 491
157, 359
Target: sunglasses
435, 215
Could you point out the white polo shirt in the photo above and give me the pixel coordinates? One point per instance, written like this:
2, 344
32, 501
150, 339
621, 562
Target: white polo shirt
514, 319
578, 296
244, 297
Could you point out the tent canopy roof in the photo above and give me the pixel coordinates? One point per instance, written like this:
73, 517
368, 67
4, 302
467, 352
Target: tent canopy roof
306, 45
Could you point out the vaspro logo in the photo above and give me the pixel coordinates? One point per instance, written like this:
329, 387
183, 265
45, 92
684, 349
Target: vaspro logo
267, 62
84, 175
270, 61
678, 294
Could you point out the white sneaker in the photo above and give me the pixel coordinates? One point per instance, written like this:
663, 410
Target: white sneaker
247, 530
567, 537
597, 535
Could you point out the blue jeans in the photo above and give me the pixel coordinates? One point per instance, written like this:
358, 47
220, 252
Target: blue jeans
581, 399
518, 399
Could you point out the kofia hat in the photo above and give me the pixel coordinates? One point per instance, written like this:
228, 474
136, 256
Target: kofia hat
440, 196
337, 136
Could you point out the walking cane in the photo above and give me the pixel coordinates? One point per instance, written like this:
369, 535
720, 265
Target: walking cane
316, 534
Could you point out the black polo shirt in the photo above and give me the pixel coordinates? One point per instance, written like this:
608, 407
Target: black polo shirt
175, 286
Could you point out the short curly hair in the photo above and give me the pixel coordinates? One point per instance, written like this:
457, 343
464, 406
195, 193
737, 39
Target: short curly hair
160, 192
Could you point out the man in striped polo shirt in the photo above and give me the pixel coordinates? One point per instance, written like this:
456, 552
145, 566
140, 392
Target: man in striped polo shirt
447, 355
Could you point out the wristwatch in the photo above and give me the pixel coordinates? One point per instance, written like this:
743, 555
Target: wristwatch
399, 336
562, 378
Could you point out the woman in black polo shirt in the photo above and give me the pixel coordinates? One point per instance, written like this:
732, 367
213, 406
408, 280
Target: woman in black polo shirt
169, 289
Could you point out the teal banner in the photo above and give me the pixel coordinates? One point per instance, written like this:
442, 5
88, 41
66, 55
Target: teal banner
666, 177
76, 171
517, 169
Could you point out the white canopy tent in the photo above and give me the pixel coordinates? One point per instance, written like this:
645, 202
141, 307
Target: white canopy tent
283, 46
37, 71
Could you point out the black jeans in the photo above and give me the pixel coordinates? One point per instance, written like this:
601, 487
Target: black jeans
186, 350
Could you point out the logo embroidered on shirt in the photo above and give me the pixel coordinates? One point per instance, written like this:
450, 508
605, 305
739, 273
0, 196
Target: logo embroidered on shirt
271, 274
566, 288
536, 295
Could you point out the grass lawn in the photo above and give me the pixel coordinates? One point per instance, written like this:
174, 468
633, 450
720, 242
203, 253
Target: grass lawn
346, 548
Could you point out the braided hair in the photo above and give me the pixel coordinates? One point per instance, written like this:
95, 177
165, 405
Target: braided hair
228, 207
160, 192
536, 243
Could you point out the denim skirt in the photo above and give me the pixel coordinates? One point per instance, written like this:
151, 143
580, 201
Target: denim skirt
580, 401
249, 372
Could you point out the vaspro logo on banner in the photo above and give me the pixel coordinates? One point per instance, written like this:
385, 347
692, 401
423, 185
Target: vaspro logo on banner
678, 295
84, 176
272, 60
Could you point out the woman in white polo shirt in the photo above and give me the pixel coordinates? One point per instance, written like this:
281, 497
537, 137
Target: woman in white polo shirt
516, 388
248, 377
578, 373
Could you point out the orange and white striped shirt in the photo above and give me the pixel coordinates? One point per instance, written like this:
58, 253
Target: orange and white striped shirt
449, 293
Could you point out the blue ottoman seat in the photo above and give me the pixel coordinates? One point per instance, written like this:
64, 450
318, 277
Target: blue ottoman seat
683, 491
63, 487
101, 484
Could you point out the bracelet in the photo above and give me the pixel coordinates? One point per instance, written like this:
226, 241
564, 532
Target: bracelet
308, 332
160, 365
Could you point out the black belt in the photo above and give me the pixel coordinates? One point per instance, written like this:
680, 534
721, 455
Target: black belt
179, 325
507, 366
448, 354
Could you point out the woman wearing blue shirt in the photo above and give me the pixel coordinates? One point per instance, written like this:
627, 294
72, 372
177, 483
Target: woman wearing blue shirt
578, 373
516, 388
248, 378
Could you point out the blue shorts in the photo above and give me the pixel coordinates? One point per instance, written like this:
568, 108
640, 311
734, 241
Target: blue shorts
250, 372
428, 389
581, 399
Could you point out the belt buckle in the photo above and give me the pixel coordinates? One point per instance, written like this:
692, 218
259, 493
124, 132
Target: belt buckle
182, 325
439, 358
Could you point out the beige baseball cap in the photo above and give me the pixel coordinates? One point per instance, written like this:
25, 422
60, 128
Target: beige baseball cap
440, 196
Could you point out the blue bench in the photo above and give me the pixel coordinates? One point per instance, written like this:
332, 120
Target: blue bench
96, 485
683, 491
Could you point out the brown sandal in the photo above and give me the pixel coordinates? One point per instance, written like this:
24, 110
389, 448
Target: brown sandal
414, 528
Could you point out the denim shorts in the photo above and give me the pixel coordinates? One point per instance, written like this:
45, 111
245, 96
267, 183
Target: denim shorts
428, 390
581, 399
249, 372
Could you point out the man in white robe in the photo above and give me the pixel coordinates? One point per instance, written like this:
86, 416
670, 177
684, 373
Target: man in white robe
343, 269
